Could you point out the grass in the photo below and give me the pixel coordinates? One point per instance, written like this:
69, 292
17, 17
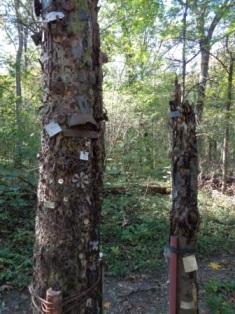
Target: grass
134, 230
217, 232
219, 296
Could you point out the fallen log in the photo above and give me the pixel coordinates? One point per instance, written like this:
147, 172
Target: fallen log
148, 189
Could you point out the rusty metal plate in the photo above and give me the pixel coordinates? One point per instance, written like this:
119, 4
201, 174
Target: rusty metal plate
81, 119
68, 5
80, 133
174, 114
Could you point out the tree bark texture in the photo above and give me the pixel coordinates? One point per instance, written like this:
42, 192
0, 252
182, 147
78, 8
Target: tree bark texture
204, 68
66, 252
227, 123
184, 218
18, 89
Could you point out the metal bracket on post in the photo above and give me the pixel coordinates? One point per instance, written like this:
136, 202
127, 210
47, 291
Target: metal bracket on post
54, 299
173, 271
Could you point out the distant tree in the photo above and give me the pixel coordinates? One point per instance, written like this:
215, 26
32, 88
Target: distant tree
229, 100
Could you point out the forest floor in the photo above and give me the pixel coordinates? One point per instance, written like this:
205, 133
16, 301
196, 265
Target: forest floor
144, 293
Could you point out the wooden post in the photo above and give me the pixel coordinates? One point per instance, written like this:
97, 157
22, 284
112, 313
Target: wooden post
55, 298
184, 214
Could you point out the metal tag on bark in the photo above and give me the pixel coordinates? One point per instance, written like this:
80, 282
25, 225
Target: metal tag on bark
53, 16
49, 204
84, 155
174, 114
82, 102
88, 200
53, 128
81, 119
190, 263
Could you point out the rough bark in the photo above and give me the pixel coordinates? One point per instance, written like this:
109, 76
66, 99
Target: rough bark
227, 123
204, 68
184, 218
184, 61
66, 253
18, 89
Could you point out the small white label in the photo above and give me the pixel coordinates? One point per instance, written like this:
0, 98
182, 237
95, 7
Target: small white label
53, 128
52, 16
84, 155
190, 263
88, 199
89, 302
49, 204
86, 221
186, 305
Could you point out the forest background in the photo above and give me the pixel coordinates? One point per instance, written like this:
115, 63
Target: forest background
147, 43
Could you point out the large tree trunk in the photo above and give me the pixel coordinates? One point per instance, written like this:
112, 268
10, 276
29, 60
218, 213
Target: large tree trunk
227, 124
66, 253
184, 217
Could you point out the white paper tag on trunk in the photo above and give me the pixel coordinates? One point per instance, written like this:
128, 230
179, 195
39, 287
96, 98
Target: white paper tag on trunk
49, 204
53, 128
190, 263
84, 155
186, 305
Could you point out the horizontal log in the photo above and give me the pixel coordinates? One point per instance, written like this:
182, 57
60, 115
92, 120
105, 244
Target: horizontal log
150, 189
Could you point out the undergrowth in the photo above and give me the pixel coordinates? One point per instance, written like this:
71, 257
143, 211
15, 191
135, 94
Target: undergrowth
17, 214
219, 296
134, 229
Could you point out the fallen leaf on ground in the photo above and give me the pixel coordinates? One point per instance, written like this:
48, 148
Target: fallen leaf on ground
214, 266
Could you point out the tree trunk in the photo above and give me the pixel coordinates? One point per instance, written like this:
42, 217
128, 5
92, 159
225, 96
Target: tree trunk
203, 79
184, 217
227, 125
66, 252
18, 89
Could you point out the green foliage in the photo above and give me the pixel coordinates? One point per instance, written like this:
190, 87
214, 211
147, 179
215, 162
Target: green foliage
219, 296
17, 210
134, 231
217, 223
19, 141
135, 227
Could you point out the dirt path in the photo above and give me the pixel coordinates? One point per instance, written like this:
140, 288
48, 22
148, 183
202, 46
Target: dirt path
137, 293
